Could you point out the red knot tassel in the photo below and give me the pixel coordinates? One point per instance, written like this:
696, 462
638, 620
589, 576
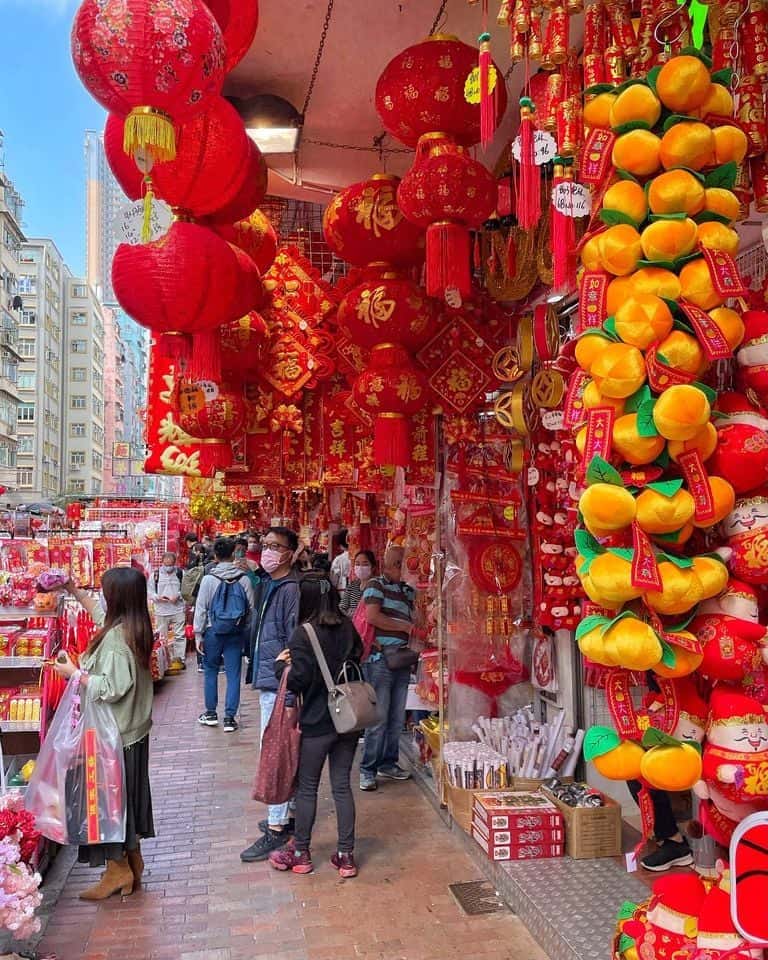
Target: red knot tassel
176, 347
391, 440
488, 103
448, 259
529, 194
205, 362
559, 232
215, 456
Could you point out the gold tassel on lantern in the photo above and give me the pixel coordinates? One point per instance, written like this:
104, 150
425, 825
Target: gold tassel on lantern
152, 130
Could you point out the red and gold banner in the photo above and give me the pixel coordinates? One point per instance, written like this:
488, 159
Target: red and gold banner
596, 162
697, 481
709, 335
599, 432
645, 570
726, 278
593, 299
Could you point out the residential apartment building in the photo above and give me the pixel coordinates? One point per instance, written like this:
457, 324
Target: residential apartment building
11, 240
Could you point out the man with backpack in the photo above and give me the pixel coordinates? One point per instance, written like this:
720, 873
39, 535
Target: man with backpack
223, 612
165, 592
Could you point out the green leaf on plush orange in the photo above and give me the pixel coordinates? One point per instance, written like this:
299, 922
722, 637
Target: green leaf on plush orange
600, 471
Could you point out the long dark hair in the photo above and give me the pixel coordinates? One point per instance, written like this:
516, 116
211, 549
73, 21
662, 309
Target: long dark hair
319, 601
125, 593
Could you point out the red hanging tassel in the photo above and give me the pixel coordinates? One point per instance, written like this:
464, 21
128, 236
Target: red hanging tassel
529, 193
562, 235
477, 254
215, 456
391, 440
488, 83
448, 259
176, 347
205, 361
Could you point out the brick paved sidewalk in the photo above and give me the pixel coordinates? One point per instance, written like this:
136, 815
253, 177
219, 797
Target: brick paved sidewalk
201, 903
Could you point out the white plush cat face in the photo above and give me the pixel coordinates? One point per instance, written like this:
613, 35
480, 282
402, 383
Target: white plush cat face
746, 737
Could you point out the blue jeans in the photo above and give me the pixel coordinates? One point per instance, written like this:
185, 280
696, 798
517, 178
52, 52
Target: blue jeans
277, 813
382, 742
231, 649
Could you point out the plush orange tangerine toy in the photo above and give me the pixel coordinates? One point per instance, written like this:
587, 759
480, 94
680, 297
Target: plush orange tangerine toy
643, 319
676, 191
619, 370
659, 513
620, 249
687, 144
683, 84
638, 152
607, 507
614, 758
704, 441
633, 448
628, 197
680, 412
669, 239
657, 281
696, 285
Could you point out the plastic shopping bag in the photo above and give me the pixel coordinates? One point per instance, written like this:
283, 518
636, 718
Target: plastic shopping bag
366, 630
76, 792
280, 745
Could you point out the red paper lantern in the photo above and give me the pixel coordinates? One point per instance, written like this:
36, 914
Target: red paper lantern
250, 191
387, 310
210, 412
239, 20
255, 235
391, 389
241, 343
448, 193
211, 153
422, 90
363, 224
155, 62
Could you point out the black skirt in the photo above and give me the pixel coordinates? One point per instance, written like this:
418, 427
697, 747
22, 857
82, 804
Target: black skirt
138, 813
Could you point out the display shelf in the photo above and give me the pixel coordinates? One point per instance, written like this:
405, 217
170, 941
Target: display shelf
21, 663
19, 726
12, 614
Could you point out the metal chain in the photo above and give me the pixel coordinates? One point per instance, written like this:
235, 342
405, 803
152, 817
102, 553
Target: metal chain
438, 18
318, 57
349, 146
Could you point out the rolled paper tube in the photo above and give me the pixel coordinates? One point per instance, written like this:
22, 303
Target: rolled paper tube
570, 766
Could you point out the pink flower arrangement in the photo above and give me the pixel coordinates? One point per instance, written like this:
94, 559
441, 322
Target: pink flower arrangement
19, 883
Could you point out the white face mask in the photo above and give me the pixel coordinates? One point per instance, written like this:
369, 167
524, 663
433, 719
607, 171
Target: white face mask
363, 572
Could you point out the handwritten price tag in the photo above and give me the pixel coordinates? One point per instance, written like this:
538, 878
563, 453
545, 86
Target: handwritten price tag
544, 147
129, 221
472, 84
572, 199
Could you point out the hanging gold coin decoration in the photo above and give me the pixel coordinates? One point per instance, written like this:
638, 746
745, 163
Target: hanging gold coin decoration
547, 389
506, 365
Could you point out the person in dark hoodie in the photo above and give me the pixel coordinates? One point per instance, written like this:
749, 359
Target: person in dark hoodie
277, 611
223, 615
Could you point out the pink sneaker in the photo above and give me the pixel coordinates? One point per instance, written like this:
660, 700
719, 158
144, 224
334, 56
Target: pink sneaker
298, 861
345, 864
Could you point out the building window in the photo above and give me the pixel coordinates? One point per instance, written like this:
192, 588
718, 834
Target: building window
98, 408
28, 318
77, 403
79, 291
26, 413
79, 346
76, 486
26, 348
95, 486
77, 459
24, 477
79, 374
97, 461
78, 319
26, 444
28, 285
27, 381
77, 429
98, 435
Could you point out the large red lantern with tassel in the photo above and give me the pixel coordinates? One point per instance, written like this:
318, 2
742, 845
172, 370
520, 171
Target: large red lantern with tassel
239, 21
391, 389
212, 413
363, 224
424, 89
389, 309
255, 235
155, 62
448, 193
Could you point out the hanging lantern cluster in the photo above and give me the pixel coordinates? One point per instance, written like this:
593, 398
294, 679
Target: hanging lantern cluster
430, 96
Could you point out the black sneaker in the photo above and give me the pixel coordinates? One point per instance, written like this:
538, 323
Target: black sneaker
395, 772
368, 784
230, 724
260, 850
208, 719
290, 827
671, 853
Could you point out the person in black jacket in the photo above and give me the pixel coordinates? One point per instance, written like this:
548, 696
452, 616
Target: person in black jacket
319, 605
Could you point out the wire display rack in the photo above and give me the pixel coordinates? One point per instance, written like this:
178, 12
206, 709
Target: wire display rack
301, 223
127, 519
753, 264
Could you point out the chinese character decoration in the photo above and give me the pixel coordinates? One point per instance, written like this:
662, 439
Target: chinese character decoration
213, 414
243, 347
339, 435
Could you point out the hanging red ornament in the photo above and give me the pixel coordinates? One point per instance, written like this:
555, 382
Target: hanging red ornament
529, 189
423, 89
155, 62
562, 228
250, 190
241, 344
391, 389
239, 21
390, 309
363, 224
213, 414
255, 235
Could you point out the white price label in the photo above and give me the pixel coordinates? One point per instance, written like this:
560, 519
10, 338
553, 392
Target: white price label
544, 147
552, 419
631, 859
130, 221
572, 199
533, 476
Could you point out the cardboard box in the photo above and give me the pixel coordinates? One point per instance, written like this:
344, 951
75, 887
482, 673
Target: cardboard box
512, 810
519, 836
526, 851
592, 832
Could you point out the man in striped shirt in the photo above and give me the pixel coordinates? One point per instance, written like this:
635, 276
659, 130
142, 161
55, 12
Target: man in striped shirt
389, 609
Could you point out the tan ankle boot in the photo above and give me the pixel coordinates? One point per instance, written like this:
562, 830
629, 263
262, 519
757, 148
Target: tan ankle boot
117, 877
136, 863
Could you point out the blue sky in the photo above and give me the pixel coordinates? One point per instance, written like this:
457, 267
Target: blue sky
44, 112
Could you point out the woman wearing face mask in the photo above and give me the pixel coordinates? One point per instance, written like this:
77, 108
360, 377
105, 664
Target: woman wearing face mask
363, 570
115, 670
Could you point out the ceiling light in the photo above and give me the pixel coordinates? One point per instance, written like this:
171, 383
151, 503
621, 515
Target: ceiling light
271, 122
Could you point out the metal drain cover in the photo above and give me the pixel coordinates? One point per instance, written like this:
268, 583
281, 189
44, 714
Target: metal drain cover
477, 897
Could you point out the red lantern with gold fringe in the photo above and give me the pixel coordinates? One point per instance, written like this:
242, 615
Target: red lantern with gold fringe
255, 235
448, 193
423, 89
391, 389
364, 224
389, 309
239, 21
213, 414
155, 62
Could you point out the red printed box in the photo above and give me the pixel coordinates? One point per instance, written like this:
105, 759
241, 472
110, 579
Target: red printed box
516, 811
526, 851
519, 836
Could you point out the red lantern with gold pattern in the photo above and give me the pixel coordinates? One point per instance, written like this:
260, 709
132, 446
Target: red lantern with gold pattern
239, 21
448, 193
423, 89
155, 62
391, 389
210, 412
255, 235
363, 224
385, 310
241, 343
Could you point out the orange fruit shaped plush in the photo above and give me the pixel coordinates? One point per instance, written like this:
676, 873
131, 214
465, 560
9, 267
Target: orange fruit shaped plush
627, 197
597, 111
633, 448
593, 398
731, 144
677, 538
730, 323
611, 577
696, 286
636, 645
676, 191
723, 202
618, 290
724, 497
613, 758
671, 767
685, 661
636, 103
607, 507
590, 254
687, 144
620, 249
643, 319
712, 574
682, 352
588, 347
669, 239
657, 513
657, 281
638, 152
716, 236
683, 84
680, 590
704, 440
718, 103
591, 646
619, 370
680, 412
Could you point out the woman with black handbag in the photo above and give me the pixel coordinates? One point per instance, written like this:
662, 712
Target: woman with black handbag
340, 645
